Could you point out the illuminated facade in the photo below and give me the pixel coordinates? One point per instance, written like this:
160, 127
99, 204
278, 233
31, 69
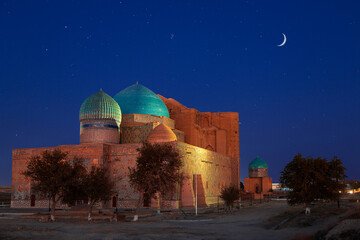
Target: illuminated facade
111, 130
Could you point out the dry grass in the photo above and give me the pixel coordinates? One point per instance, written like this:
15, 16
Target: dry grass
296, 216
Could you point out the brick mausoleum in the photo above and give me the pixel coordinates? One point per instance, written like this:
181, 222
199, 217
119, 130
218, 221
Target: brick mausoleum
111, 130
258, 183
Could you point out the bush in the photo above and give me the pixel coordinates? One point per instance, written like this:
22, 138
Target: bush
230, 195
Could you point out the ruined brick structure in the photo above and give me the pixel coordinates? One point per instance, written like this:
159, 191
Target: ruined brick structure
112, 129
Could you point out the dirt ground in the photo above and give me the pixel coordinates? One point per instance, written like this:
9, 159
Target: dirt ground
272, 220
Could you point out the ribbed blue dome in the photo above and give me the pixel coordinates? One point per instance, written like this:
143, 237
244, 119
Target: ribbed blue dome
100, 106
138, 99
258, 163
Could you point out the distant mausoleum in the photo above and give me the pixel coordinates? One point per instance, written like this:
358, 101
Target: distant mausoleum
112, 129
258, 183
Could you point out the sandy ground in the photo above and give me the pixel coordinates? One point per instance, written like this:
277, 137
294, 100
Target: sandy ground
247, 223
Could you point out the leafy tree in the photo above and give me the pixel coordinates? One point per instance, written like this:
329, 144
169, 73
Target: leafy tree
230, 194
97, 187
337, 173
294, 176
157, 170
310, 179
50, 173
74, 190
94, 185
62, 180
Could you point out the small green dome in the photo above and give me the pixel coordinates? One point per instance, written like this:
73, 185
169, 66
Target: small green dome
258, 163
138, 99
100, 106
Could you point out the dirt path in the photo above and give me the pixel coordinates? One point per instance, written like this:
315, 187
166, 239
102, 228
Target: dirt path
247, 223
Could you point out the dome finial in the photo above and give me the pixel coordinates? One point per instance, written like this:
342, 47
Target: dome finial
101, 89
137, 82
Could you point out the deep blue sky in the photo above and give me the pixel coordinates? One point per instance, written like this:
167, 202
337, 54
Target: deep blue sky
211, 55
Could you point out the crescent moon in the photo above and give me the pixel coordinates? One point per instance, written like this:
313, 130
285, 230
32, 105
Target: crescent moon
284, 41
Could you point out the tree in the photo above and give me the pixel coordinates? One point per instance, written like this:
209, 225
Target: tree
53, 175
74, 189
94, 185
50, 173
337, 173
97, 187
310, 179
157, 170
230, 195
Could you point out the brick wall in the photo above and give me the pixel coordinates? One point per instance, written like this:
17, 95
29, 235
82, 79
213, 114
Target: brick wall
213, 172
136, 134
140, 119
97, 132
218, 132
264, 185
259, 172
21, 186
120, 158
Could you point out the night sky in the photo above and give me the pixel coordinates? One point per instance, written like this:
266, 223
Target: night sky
210, 55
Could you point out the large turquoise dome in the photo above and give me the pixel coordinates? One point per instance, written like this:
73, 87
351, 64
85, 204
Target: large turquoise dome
138, 99
258, 163
100, 106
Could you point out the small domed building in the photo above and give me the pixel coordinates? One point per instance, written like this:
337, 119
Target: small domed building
113, 128
258, 183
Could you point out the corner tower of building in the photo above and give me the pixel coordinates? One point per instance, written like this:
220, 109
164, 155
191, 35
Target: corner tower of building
100, 118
